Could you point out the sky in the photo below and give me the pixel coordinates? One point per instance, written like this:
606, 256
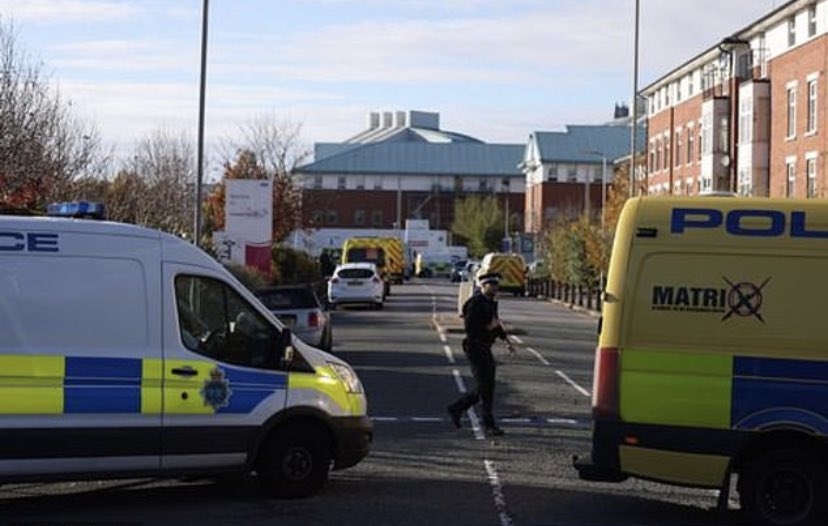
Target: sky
494, 69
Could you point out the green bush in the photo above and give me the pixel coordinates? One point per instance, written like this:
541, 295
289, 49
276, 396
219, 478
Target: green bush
250, 277
293, 266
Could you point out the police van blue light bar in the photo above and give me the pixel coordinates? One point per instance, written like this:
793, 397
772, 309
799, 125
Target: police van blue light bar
78, 209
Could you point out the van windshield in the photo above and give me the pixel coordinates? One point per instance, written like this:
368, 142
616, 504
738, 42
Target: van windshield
367, 255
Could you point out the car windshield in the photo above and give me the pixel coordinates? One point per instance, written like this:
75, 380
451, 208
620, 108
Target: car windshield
356, 273
293, 298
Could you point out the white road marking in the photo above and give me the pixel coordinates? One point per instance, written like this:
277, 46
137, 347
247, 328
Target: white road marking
458, 379
443, 337
426, 419
517, 339
449, 354
538, 355
385, 419
516, 420
571, 382
475, 424
497, 492
568, 421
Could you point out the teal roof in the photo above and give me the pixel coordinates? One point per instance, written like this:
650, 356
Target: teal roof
575, 144
463, 158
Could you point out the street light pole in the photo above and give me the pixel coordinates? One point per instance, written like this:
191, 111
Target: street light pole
200, 147
634, 131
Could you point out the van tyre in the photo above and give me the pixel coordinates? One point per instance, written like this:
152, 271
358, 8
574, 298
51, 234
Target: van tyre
295, 462
784, 487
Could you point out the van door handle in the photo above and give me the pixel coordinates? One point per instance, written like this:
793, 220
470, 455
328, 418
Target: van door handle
184, 371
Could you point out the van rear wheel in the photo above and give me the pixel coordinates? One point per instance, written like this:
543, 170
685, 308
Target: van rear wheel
295, 462
784, 487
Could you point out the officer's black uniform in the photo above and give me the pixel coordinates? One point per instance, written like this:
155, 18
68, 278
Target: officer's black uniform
478, 313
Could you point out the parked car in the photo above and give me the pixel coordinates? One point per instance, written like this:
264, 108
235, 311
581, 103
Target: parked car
298, 308
356, 283
470, 270
457, 267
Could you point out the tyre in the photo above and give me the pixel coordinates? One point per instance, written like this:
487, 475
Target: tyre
784, 487
295, 462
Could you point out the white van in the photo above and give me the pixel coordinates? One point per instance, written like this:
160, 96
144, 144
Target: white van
125, 351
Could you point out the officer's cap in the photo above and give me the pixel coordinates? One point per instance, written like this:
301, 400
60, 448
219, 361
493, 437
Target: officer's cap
491, 277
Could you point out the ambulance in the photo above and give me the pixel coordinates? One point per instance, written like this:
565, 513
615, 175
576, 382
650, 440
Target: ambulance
511, 267
712, 357
128, 352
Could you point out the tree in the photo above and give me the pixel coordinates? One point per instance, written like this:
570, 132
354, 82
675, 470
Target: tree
43, 148
479, 222
267, 149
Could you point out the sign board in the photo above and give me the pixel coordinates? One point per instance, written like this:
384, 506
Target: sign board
249, 209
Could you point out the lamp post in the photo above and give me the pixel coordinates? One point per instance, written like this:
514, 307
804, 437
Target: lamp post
506, 215
634, 130
200, 147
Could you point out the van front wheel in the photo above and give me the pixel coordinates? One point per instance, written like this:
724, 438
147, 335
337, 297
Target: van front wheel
295, 462
784, 487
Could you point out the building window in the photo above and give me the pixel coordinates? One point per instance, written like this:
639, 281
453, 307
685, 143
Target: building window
707, 134
789, 186
812, 20
690, 87
317, 182
791, 31
745, 182
678, 150
810, 167
483, 185
691, 140
572, 173
746, 120
359, 217
376, 217
652, 158
360, 182
553, 173
377, 182
658, 156
318, 217
705, 184
331, 218
812, 106
340, 182
791, 112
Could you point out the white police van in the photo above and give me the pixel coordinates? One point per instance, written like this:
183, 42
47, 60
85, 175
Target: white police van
125, 351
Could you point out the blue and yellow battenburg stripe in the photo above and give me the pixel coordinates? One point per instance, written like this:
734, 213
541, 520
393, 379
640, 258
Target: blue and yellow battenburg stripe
93, 385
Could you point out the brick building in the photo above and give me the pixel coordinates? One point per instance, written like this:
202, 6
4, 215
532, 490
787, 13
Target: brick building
748, 114
403, 166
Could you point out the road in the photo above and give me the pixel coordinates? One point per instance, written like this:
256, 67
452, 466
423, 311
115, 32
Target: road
421, 471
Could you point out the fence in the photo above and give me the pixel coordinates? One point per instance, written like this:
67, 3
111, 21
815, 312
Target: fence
580, 295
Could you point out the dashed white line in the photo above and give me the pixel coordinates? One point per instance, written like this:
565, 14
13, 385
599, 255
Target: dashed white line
449, 354
571, 382
458, 379
516, 339
497, 493
475, 424
539, 356
443, 337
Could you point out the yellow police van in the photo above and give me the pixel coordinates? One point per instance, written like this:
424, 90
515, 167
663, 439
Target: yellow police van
511, 267
129, 352
712, 357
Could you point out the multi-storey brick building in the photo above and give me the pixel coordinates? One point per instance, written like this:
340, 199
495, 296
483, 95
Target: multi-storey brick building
403, 166
748, 114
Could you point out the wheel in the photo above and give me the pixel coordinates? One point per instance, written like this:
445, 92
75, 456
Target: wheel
784, 487
295, 462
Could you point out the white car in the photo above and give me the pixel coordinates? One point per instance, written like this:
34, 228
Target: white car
355, 283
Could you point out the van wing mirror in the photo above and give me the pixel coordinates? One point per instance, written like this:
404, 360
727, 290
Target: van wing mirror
284, 347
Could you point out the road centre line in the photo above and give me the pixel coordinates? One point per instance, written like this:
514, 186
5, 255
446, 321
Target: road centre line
571, 382
538, 355
560, 373
449, 354
497, 492
458, 379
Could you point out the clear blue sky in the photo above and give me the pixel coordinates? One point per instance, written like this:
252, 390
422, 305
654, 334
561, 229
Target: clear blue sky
493, 69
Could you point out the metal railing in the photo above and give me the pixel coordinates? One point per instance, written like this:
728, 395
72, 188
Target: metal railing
571, 294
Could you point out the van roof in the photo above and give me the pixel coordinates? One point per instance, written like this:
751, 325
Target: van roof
85, 226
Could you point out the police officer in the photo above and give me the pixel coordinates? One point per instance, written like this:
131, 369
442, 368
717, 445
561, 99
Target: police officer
482, 328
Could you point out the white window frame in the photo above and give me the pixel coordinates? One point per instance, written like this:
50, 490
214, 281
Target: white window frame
746, 120
810, 174
812, 20
813, 92
790, 111
790, 177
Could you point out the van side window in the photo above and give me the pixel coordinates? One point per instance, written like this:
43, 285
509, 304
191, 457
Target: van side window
217, 322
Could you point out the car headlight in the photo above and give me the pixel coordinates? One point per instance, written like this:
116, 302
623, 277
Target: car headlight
348, 377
